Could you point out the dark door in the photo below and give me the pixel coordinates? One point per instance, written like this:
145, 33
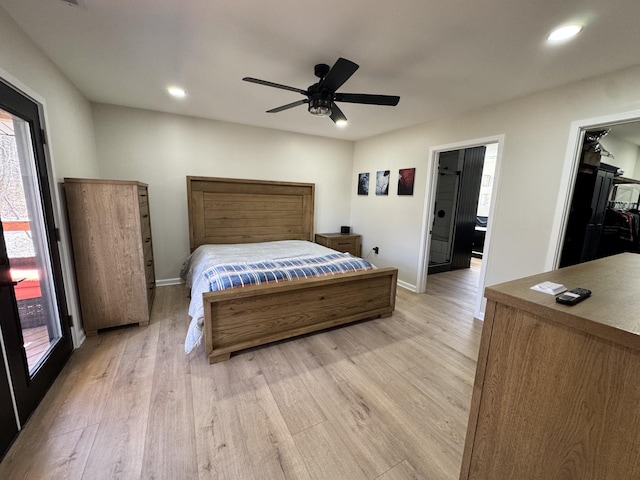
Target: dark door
33, 316
467, 207
456, 207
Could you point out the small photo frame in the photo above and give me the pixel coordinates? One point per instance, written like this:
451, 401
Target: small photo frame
363, 184
406, 178
382, 182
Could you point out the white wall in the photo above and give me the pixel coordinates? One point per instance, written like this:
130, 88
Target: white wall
162, 149
625, 154
69, 124
536, 130
68, 113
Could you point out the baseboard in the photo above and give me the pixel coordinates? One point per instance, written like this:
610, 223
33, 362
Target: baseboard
407, 286
78, 338
169, 281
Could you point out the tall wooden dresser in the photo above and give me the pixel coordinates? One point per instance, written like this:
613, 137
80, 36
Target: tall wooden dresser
112, 248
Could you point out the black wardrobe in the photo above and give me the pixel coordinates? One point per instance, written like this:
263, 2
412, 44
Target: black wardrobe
586, 216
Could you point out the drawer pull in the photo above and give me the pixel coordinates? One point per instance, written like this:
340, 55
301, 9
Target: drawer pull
146, 215
149, 263
147, 240
152, 285
344, 243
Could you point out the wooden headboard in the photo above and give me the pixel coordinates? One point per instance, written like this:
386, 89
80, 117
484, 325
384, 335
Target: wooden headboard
229, 210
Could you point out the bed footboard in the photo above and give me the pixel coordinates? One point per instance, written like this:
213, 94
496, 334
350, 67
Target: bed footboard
246, 317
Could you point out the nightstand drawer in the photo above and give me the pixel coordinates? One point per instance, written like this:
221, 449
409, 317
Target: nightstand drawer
345, 245
342, 242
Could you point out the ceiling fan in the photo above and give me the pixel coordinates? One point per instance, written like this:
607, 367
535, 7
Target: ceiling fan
322, 96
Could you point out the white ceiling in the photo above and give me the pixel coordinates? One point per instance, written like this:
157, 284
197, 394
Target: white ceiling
440, 56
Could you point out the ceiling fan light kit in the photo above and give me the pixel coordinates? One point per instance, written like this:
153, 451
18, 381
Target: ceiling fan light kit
320, 107
321, 96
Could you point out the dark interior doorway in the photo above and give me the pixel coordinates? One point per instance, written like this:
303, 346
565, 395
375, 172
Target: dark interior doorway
455, 210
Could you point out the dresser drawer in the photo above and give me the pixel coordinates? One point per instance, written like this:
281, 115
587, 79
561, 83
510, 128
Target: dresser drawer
144, 214
143, 196
151, 293
149, 270
146, 236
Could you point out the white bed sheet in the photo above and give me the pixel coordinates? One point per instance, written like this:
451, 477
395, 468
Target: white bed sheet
208, 256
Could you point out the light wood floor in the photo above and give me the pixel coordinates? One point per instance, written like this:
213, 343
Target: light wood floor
383, 399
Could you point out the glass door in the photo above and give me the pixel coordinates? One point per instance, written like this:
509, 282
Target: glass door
36, 336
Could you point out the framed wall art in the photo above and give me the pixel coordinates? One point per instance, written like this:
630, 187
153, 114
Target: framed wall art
406, 178
382, 182
363, 184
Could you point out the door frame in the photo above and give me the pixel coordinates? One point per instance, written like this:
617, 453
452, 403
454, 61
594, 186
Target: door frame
427, 214
59, 210
29, 388
569, 174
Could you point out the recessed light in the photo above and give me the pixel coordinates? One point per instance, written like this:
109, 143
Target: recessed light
564, 33
341, 123
177, 92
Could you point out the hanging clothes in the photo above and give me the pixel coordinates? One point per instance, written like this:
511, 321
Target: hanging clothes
621, 232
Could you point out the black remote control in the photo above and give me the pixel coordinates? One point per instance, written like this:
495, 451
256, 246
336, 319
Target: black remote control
573, 296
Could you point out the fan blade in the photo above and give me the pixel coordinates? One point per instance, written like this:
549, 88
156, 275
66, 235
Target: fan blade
339, 73
390, 100
336, 114
288, 106
275, 85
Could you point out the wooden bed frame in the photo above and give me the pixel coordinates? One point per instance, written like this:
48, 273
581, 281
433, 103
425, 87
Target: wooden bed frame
223, 210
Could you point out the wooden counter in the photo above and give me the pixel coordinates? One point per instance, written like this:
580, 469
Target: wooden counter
557, 388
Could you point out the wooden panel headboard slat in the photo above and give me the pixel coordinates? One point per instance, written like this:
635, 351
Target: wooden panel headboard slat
228, 210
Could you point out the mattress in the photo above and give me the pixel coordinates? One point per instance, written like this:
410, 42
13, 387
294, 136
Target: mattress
205, 259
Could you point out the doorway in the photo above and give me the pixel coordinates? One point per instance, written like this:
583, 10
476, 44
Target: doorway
626, 124
603, 214
494, 146
453, 229
34, 324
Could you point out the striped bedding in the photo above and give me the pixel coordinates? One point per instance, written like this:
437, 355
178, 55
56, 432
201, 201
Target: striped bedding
209, 268
232, 275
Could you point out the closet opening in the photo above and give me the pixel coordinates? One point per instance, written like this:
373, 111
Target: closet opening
604, 217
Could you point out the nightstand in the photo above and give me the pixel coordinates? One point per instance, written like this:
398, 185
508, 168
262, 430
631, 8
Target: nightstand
342, 242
